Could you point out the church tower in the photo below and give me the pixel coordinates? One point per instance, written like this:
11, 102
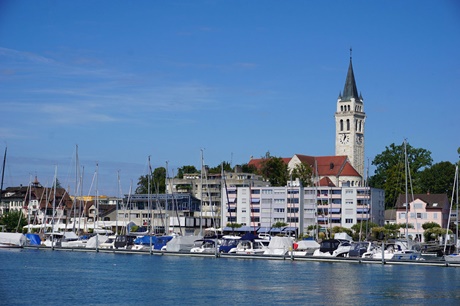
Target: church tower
349, 123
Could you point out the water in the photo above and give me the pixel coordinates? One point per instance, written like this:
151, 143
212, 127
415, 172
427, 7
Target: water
34, 277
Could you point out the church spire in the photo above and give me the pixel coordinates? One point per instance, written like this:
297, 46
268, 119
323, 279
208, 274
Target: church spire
350, 90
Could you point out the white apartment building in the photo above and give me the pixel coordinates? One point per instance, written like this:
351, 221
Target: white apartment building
300, 207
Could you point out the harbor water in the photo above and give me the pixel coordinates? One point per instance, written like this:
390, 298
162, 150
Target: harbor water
37, 277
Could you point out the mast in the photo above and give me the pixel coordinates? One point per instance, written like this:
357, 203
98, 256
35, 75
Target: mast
54, 207
3, 175
201, 195
407, 200
97, 207
149, 205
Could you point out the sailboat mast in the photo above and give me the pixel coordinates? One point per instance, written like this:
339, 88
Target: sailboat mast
3, 174
407, 200
201, 195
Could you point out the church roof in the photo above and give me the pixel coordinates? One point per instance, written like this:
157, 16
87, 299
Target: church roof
325, 165
330, 165
350, 90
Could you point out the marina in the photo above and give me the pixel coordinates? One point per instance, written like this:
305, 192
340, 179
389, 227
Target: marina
118, 277
439, 262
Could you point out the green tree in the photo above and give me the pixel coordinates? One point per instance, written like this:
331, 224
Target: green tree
245, 168
184, 170
279, 224
438, 178
157, 182
390, 170
304, 173
361, 227
275, 170
218, 169
13, 220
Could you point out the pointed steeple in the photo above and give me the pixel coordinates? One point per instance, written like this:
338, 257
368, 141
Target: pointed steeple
350, 90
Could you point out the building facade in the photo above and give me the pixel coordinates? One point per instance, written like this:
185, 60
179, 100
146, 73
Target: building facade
301, 207
422, 208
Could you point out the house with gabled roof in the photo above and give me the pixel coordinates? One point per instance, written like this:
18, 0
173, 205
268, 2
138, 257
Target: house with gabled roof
422, 208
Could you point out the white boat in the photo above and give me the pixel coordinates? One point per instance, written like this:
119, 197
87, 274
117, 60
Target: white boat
279, 246
109, 243
251, 247
338, 247
96, 241
452, 258
12, 240
204, 246
53, 239
397, 250
333, 248
181, 243
304, 247
71, 240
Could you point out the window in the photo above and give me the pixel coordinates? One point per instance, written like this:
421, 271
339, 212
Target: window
435, 215
348, 221
255, 191
278, 210
348, 123
418, 205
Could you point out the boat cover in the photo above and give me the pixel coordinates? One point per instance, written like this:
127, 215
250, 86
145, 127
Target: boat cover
34, 239
13, 239
279, 246
182, 243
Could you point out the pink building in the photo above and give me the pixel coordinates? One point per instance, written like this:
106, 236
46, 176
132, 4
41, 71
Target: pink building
422, 208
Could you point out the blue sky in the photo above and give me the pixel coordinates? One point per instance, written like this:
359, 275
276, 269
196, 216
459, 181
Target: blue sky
125, 80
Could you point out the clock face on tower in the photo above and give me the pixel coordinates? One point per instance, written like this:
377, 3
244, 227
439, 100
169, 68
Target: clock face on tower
344, 138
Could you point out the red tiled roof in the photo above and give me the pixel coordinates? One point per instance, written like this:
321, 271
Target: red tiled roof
326, 182
257, 162
326, 165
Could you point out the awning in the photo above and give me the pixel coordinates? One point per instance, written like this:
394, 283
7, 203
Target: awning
231, 200
334, 210
362, 210
256, 200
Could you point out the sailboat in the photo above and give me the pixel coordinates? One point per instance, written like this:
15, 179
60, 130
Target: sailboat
456, 256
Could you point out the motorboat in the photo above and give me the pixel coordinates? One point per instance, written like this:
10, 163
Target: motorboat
109, 243
204, 246
71, 240
228, 242
304, 247
397, 250
333, 248
251, 247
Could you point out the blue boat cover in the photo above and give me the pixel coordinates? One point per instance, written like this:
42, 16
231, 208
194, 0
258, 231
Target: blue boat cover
34, 239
